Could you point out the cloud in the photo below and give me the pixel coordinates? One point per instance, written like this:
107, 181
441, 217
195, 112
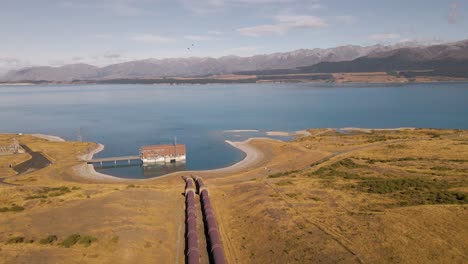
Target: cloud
422, 41
214, 32
105, 58
112, 56
243, 51
117, 7
101, 36
152, 38
385, 37
206, 6
315, 6
284, 24
8, 64
454, 16
57, 63
198, 37
349, 20
8, 60
262, 30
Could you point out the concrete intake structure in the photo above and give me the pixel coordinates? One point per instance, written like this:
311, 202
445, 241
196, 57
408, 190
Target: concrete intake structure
192, 252
214, 239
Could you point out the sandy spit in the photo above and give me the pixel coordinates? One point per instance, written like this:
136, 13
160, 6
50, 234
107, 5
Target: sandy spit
288, 134
87, 171
49, 137
302, 133
240, 131
252, 156
278, 133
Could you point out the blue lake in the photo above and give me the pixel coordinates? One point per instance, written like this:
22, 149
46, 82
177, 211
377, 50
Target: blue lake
125, 117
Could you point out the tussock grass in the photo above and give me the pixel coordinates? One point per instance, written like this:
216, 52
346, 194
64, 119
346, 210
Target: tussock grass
333, 170
14, 208
282, 174
46, 192
414, 191
284, 183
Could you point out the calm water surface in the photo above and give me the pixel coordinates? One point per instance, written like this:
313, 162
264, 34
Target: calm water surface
125, 117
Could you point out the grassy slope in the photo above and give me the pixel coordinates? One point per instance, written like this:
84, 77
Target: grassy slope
328, 213
117, 223
394, 197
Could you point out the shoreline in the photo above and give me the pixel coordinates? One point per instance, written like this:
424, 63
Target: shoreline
49, 137
252, 157
87, 171
240, 81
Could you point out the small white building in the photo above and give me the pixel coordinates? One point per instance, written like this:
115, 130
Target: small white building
163, 153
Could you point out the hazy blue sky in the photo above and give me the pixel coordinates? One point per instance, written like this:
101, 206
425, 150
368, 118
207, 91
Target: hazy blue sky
100, 32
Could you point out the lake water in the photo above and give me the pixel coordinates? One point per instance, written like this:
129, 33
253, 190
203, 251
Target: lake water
125, 117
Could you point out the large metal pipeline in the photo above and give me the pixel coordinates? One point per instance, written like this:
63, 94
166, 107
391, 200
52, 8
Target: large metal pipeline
192, 253
214, 239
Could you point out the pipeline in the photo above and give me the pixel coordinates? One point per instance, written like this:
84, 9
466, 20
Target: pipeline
214, 239
192, 253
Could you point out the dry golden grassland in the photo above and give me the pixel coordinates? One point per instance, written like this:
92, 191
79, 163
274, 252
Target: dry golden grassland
52, 216
366, 197
395, 197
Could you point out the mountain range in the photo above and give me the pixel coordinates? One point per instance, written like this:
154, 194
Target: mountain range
195, 66
450, 59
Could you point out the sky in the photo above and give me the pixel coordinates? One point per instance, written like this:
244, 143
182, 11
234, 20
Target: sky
103, 32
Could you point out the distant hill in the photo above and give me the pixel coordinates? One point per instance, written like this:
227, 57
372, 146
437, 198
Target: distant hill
67, 72
189, 67
438, 60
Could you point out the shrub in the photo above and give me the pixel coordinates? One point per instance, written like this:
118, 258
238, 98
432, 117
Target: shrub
39, 196
281, 174
15, 240
87, 240
392, 185
331, 171
48, 240
14, 208
70, 240
115, 239
414, 191
292, 195
348, 163
60, 191
283, 183
51, 192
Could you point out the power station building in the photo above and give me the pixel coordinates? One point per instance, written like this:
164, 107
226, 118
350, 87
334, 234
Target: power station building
163, 153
